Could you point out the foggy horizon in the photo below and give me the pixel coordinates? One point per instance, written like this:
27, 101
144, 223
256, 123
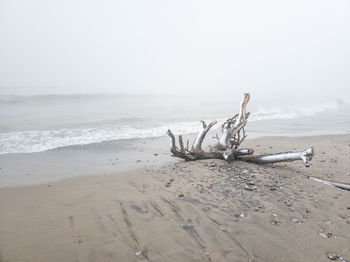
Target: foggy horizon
266, 48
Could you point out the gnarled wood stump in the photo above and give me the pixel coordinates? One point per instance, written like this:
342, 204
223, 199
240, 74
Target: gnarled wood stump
233, 134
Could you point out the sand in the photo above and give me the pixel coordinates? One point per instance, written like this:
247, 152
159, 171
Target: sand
188, 211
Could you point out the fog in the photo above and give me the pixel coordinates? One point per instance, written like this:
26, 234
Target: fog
270, 48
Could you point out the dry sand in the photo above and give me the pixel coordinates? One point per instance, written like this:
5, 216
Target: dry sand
141, 215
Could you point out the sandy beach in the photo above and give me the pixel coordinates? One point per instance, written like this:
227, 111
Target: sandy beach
171, 210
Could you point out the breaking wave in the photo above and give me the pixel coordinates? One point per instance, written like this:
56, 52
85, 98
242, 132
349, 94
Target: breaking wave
42, 140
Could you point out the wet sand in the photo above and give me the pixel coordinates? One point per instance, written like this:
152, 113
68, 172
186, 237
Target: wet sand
188, 211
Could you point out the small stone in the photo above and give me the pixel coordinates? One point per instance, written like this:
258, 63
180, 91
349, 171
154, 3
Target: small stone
168, 184
242, 215
291, 209
138, 160
207, 254
256, 209
156, 154
249, 188
325, 234
138, 253
171, 180
180, 195
295, 220
332, 256
274, 215
274, 222
186, 227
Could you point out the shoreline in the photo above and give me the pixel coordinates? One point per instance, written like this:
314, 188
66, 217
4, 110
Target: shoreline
205, 210
25, 169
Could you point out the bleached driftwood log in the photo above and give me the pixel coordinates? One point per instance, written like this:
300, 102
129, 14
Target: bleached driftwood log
305, 155
233, 134
340, 185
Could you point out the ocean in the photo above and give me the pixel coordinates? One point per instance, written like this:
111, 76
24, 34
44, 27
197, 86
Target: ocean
43, 122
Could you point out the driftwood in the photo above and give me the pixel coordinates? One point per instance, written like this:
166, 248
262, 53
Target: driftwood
340, 185
226, 148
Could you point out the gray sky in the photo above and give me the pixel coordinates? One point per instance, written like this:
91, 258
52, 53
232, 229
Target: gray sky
81, 46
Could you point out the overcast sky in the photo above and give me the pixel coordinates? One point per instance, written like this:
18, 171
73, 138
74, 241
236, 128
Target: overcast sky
81, 46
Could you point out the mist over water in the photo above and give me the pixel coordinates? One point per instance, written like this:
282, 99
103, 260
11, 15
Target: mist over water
63, 64
39, 123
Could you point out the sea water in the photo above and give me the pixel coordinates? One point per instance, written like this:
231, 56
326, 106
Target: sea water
44, 122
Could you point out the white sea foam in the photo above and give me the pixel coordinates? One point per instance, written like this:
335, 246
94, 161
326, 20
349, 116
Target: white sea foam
41, 140
36, 141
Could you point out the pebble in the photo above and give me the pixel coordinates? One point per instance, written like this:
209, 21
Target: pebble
186, 227
332, 256
168, 184
138, 253
246, 187
242, 215
274, 222
325, 234
291, 209
180, 195
295, 220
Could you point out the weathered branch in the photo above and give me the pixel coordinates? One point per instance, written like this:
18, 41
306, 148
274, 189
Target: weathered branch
340, 185
233, 134
197, 144
229, 154
232, 127
304, 155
